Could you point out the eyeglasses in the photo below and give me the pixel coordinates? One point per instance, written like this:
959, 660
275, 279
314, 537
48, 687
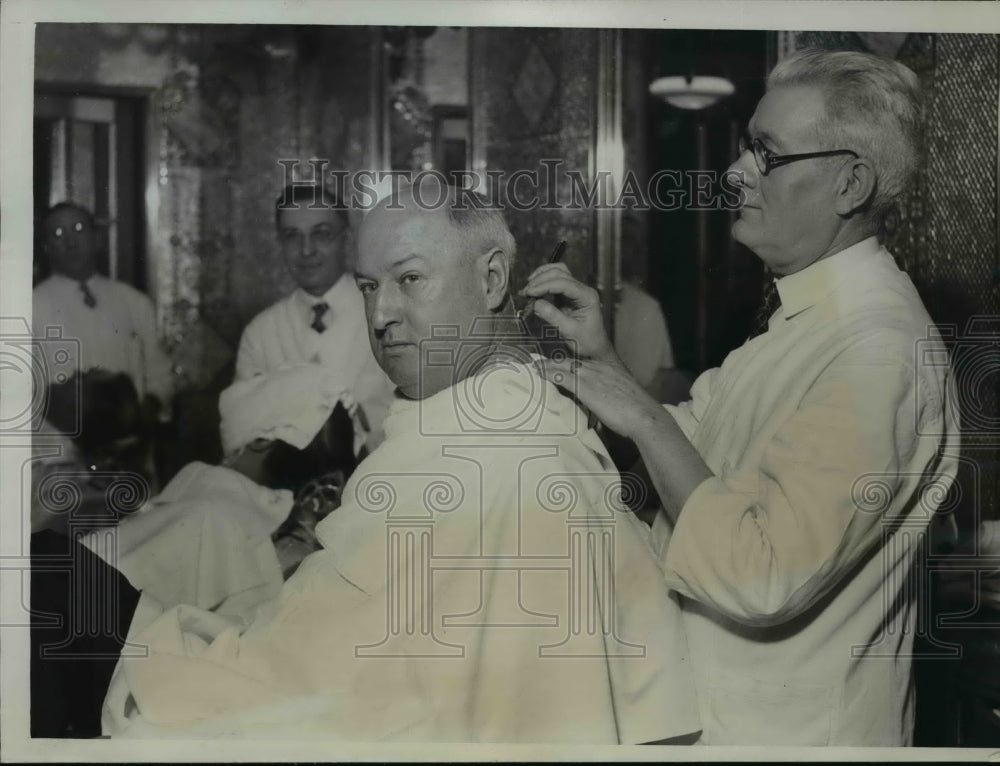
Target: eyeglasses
321, 236
767, 160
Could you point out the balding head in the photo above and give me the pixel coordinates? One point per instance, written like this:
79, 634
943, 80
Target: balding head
428, 271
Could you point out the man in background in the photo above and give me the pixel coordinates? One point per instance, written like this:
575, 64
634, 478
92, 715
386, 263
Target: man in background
642, 340
322, 321
114, 323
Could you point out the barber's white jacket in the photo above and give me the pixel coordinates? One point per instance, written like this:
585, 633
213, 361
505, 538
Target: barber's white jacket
281, 336
117, 333
832, 441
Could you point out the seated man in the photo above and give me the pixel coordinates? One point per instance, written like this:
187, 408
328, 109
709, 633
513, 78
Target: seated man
220, 536
481, 582
322, 321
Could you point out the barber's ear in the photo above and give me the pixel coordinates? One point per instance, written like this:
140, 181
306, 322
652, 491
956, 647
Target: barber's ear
496, 274
855, 186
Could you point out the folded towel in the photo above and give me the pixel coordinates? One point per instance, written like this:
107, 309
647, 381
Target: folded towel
291, 404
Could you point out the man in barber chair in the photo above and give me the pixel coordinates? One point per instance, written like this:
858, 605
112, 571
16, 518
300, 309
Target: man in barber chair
110, 444
440, 606
221, 537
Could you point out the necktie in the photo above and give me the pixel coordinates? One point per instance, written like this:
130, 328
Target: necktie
88, 297
319, 309
768, 305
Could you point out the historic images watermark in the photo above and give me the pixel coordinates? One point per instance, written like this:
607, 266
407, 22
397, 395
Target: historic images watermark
971, 357
32, 363
532, 544
58, 489
548, 187
560, 588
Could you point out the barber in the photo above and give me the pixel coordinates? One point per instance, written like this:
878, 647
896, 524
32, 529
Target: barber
794, 482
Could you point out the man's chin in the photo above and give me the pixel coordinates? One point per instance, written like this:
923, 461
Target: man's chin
742, 232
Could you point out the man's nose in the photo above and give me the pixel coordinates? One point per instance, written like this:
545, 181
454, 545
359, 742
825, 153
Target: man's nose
744, 169
385, 307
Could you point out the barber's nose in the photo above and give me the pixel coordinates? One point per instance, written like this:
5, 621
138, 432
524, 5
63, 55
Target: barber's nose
744, 169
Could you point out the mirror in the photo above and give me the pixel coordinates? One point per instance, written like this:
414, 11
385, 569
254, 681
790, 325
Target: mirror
425, 99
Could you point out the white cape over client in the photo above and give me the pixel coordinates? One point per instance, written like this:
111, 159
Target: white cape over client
482, 582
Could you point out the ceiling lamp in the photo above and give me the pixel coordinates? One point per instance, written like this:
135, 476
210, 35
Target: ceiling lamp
698, 92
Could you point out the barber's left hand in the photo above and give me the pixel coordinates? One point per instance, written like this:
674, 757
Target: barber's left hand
607, 389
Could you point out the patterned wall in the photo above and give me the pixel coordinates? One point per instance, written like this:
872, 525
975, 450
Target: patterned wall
947, 239
534, 99
231, 101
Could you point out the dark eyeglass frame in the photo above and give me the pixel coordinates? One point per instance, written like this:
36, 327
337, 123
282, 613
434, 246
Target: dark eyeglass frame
767, 160
318, 235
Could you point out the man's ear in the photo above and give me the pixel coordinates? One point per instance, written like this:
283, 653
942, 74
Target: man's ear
496, 274
856, 184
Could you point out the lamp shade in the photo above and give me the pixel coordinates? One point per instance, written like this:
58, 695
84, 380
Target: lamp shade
697, 92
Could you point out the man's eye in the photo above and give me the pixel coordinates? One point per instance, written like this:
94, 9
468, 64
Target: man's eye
366, 288
410, 278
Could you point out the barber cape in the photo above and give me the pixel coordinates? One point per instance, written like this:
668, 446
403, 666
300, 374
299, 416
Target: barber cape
205, 540
481, 582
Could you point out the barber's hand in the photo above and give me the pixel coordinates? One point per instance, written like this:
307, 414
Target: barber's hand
579, 319
607, 389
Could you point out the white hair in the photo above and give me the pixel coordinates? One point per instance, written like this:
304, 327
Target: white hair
479, 223
872, 107
482, 226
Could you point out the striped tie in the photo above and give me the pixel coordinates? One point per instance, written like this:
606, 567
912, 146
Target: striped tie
768, 305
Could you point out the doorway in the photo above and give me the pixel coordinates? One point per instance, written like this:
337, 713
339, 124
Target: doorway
90, 149
708, 284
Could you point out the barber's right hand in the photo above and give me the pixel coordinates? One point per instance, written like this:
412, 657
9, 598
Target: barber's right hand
579, 318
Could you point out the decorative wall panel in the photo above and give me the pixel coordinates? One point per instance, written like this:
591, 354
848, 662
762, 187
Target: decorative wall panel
535, 99
231, 100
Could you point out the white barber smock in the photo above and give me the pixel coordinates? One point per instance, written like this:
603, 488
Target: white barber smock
117, 334
282, 336
796, 556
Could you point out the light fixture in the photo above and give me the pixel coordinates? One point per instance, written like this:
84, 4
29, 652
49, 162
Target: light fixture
692, 92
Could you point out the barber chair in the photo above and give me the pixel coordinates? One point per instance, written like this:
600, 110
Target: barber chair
316, 475
102, 413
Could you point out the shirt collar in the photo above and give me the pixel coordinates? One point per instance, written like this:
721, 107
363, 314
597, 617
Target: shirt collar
337, 294
808, 287
92, 279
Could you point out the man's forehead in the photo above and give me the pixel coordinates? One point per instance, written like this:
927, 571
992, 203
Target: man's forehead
388, 229
303, 216
788, 112
65, 216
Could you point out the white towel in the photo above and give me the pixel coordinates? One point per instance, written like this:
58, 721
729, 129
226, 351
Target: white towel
205, 540
291, 404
